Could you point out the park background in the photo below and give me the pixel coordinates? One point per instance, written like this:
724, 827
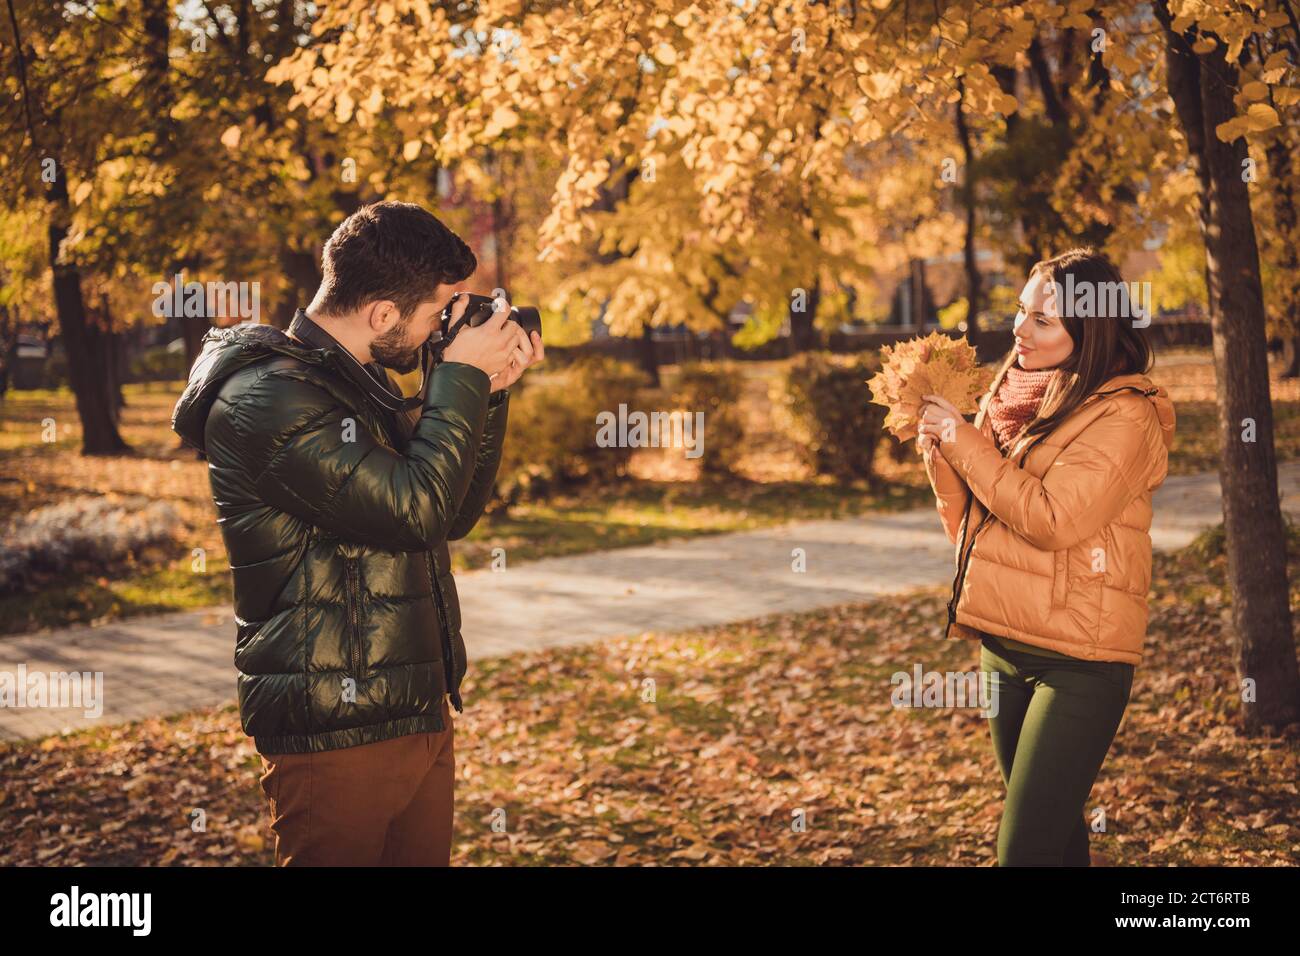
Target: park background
725, 207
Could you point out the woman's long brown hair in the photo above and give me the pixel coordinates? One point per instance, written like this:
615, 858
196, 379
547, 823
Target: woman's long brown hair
1104, 345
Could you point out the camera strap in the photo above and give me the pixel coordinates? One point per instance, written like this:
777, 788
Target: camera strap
371, 378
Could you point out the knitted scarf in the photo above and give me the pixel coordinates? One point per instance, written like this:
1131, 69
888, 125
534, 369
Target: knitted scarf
1016, 402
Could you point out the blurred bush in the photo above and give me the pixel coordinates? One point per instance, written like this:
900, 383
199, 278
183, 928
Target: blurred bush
715, 389
87, 533
551, 443
158, 365
825, 406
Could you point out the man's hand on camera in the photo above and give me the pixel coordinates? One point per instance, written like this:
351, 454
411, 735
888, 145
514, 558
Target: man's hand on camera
489, 347
528, 351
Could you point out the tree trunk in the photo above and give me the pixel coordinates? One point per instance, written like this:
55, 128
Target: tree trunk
803, 333
649, 356
8, 344
192, 329
499, 242
1202, 88
192, 333
99, 434
502, 223
920, 300
803, 324
301, 269
87, 371
974, 284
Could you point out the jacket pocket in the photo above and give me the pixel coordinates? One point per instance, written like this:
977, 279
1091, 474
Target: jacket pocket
353, 642
1084, 606
1060, 578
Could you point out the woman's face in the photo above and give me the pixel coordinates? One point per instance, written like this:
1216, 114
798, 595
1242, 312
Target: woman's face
1041, 338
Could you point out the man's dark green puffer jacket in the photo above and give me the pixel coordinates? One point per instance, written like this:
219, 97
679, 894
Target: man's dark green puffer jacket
336, 517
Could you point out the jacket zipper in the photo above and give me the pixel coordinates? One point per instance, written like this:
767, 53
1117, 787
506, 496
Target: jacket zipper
354, 596
449, 660
960, 578
964, 560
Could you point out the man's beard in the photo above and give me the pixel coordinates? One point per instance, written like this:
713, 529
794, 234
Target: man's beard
390, 350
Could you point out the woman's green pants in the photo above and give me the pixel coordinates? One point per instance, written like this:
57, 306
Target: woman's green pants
1055, 719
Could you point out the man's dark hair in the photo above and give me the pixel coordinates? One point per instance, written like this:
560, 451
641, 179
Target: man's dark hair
390, 250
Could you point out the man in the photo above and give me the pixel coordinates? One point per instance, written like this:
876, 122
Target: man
336, 506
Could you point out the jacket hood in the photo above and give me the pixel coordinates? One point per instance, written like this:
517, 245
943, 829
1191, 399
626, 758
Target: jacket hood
223, 353
1155, 394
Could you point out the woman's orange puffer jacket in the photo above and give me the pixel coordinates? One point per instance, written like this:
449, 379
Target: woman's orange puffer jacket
1054, 545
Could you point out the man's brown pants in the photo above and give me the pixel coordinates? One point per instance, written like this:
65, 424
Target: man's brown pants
382, 804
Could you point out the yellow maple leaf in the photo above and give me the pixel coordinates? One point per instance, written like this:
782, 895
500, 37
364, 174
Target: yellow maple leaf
932, 365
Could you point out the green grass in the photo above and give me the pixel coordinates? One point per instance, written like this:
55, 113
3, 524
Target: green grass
74, 599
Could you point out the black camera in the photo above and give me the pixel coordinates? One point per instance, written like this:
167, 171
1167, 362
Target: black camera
478, 311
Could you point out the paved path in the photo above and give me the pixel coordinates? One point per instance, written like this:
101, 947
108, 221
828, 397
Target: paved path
178, 662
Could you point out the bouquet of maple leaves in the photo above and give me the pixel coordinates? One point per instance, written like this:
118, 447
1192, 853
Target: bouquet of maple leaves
933, 365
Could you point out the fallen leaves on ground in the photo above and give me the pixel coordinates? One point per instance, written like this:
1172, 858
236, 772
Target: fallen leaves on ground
773, 741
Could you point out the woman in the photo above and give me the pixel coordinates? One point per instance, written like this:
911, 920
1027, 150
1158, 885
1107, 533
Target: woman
1048, 498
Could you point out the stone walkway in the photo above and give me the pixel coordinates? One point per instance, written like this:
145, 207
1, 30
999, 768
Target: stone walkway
179, 662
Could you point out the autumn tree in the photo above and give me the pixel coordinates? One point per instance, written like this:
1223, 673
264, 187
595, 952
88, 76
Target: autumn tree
59, 113
1216, 111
